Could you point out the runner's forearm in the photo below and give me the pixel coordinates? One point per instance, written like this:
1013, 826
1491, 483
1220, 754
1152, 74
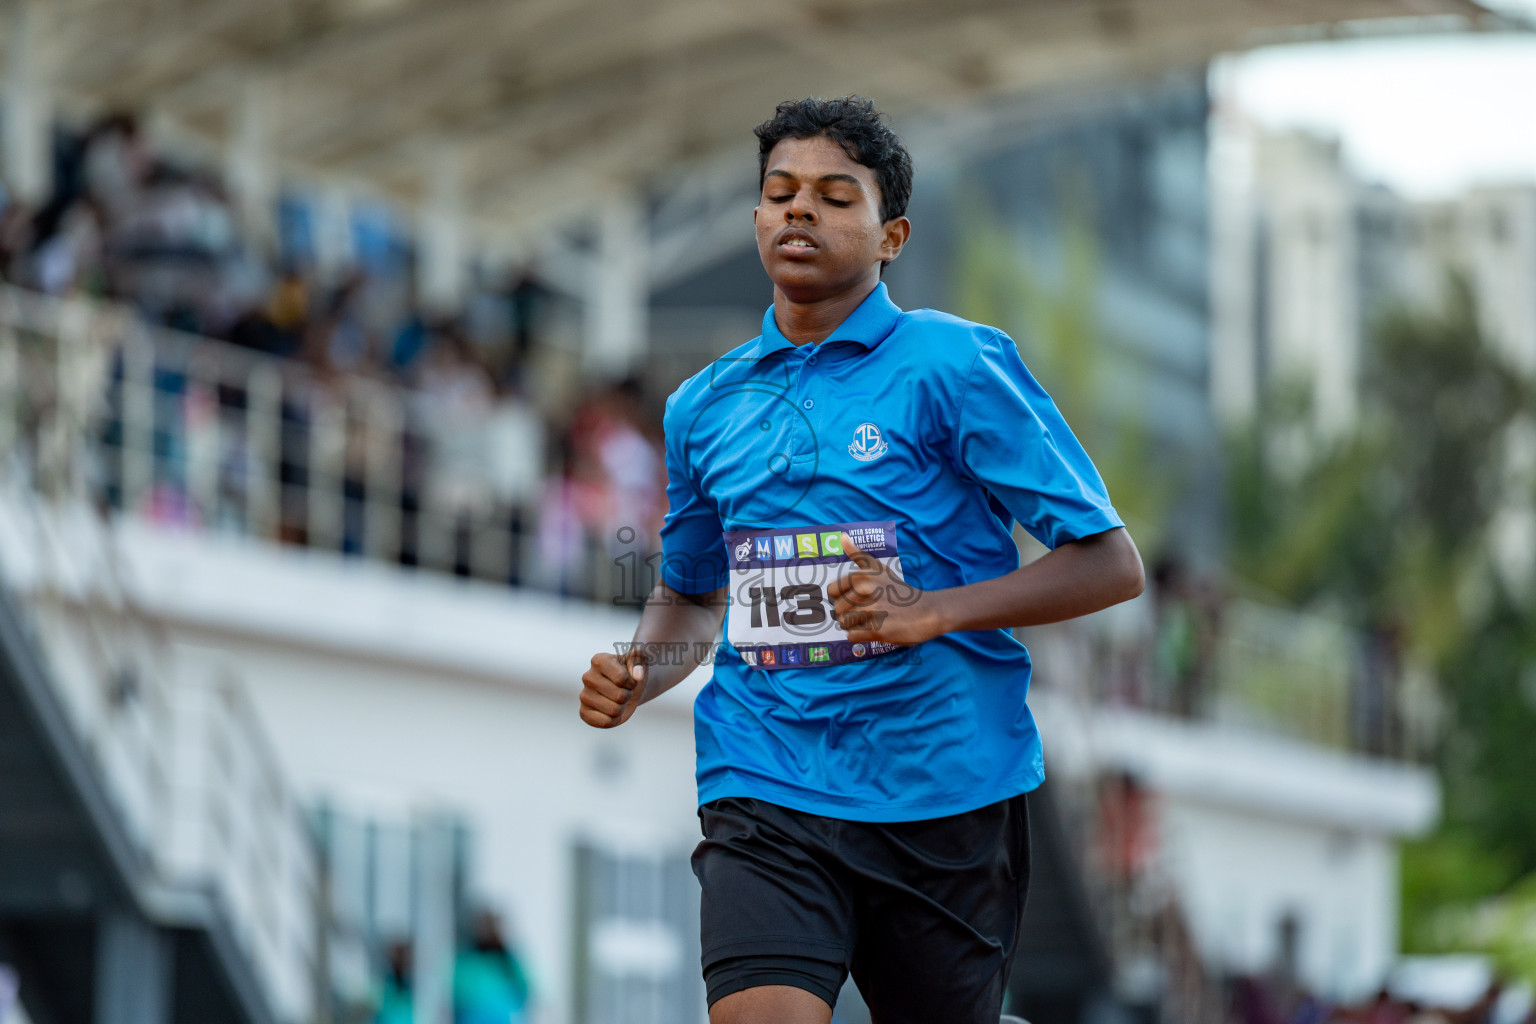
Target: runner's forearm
1075, 579
677, 632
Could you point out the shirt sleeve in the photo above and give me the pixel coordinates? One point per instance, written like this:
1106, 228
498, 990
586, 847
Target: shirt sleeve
692, 541
1012, 440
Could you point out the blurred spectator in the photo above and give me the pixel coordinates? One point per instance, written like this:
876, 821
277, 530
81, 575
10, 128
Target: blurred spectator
1126, 832
288, 307
529, 301
456, 402
1486, 1009
514, 450
15, 236
466, 450
633, 465
339, 341
1383, 1009
71, 255
256, 330
1184, 632
170, 245
395, 997
1277, 997
410, 340
1374, 697
489, 984
1420, 1014
571, 509
114, 160
10, 988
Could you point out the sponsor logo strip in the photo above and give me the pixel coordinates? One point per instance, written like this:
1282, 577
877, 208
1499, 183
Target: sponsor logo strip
835, 652
821, 545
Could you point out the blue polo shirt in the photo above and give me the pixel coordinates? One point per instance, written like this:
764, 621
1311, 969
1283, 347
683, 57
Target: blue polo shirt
917, 418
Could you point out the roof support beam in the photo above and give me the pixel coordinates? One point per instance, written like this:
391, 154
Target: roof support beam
525, 90
28, 158
248, 160
620, 292
133, 971
442, 264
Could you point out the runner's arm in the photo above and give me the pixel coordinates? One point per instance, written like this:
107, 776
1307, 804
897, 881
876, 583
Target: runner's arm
1011, 439
1076, 578
677, 632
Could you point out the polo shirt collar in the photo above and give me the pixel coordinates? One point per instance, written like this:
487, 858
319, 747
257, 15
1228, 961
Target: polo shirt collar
868, 325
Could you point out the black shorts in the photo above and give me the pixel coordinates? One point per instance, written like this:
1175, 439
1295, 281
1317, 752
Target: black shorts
925, 914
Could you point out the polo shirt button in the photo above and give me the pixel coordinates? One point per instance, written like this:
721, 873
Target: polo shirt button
811, 360
809, 403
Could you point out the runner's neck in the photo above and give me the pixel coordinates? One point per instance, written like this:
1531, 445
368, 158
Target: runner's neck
810, 323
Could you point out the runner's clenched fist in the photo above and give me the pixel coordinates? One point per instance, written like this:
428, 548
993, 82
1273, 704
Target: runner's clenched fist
612, 688
874, 604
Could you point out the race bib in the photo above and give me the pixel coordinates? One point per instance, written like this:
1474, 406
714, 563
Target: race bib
780, 616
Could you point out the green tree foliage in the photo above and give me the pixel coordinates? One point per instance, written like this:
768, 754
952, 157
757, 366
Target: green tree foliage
1489, 758
1389, 523
1446, 882
1391, 526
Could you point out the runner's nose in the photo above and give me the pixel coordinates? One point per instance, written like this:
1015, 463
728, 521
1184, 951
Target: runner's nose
800, 207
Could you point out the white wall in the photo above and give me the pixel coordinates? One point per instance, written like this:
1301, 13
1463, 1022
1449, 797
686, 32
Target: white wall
1239, 875
1313, 309
409, 692
401, 693
1252, 828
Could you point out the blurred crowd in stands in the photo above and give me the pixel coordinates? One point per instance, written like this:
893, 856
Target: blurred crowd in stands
483, 438
485, 462
1276, 998
489, 983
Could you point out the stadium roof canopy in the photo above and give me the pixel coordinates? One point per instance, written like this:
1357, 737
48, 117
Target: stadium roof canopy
537, 104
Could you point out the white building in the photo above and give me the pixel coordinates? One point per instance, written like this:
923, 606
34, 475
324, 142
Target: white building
1257, 834
398, 699
1306, 255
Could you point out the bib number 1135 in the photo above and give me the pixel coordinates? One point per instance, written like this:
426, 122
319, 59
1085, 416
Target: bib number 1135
804, 605
779, 615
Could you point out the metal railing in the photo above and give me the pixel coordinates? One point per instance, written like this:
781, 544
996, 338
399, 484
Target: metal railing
201, 434
1284, 671
1256, 667
102, 415
182, 757
237, 827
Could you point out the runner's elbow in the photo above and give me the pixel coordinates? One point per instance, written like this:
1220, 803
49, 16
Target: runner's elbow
1118, 565
1130, 574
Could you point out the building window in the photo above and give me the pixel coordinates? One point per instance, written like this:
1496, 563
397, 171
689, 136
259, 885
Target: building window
637, 957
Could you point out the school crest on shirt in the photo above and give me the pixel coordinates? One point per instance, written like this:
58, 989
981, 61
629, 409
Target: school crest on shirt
867, 444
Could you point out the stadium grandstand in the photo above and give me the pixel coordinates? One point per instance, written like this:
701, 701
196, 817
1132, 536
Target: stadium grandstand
333, 340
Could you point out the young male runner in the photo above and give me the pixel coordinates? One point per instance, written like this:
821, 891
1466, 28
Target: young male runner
850, 479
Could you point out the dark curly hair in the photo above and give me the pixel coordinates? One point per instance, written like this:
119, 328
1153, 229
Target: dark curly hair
853, 123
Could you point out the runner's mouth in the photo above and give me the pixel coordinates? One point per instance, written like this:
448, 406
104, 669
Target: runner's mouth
795, 243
